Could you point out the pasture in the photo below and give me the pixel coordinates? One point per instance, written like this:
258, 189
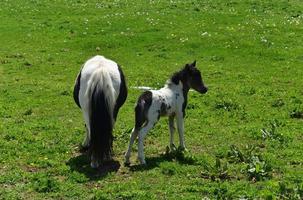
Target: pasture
245, 136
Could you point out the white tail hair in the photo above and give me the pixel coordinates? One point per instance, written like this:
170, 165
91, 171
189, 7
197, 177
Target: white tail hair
102, 80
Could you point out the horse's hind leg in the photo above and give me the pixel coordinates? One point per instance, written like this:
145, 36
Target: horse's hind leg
86, 141
133, 136
142, 133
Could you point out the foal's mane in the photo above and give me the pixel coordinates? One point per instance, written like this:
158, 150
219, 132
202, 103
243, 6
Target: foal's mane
179, 76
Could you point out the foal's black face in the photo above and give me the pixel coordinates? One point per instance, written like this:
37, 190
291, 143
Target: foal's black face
195, 79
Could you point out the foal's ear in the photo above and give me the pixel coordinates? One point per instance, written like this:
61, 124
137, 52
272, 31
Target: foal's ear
194, 64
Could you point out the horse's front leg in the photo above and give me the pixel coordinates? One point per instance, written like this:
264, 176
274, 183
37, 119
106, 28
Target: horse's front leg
171, 131
180, 126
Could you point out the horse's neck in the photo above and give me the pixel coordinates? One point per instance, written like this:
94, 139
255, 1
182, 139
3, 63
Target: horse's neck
177, 88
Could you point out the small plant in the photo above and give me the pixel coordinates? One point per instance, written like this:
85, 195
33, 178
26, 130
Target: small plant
278, 103
272, 133
296, 113
287, 191
217, 172
235, 155
226, 105
258, 169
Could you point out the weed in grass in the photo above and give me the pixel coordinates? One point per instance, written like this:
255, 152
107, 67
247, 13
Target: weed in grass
272, 133
258, 169
217, 172
227, 105
235, 155
28, 112
278, 103
296, 113
290, 191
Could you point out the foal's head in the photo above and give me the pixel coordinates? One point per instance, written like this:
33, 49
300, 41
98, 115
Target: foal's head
194, 78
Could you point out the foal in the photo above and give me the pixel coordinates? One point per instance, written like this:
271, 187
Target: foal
171, 101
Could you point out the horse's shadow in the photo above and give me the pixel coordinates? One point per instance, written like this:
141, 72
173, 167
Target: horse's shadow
81, 164
154, 162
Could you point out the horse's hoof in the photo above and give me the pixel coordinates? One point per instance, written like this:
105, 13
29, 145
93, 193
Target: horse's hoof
94, 165
83, 149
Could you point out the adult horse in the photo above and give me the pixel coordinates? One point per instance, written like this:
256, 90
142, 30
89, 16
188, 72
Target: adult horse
100, 90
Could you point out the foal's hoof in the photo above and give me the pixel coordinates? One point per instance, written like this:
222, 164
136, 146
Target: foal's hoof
126, 164
182, 149
142, 162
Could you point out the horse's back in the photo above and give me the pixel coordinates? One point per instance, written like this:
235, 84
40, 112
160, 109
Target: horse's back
100, 63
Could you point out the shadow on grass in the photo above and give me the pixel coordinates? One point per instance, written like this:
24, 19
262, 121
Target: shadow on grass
153, 162
81, 164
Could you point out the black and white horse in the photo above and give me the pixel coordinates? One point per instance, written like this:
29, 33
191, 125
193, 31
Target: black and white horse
100, 90
169, 101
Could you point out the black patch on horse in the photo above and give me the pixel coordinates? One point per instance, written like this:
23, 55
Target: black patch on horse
142, 107
163, 109
181, 76
122, 93
77, 89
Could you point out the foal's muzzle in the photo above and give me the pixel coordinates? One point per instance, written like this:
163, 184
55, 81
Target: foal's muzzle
203, 90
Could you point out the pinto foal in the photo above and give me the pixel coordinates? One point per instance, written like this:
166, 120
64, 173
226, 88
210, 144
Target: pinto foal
171, 101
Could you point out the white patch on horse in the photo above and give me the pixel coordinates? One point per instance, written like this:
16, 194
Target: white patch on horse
97, 91
143, 88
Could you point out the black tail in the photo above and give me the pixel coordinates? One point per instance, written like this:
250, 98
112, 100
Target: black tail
101, 126
142, 107
139, 115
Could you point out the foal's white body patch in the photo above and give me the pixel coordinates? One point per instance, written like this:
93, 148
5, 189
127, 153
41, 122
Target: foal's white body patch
172, 95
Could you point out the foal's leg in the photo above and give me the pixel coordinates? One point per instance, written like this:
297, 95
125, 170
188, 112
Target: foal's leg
142, 134
133, 136
171, 131
180, 125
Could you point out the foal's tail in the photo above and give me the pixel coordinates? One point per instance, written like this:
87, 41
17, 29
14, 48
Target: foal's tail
101, 95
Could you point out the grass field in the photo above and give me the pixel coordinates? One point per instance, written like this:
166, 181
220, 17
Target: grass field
245, 136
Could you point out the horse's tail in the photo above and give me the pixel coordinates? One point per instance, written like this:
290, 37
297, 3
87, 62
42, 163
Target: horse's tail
101, 95
141, 109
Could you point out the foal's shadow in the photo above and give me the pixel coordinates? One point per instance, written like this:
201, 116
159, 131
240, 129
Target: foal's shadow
153, 162
81, 164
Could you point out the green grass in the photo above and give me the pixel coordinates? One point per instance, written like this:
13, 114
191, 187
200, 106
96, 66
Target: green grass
244, 136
